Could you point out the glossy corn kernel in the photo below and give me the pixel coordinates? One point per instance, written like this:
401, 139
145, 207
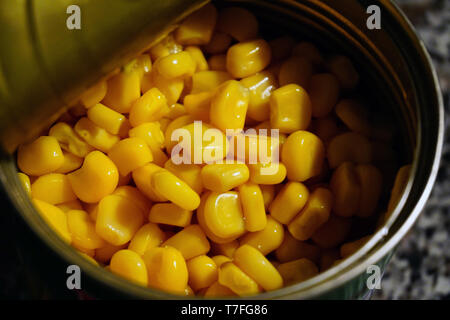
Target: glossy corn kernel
225, 249
371, 183
346, 190
41, 156
349, 248
293, 249
82, 229
166, 269
152, 106
166, 46
218, 290
208, 80
170, 88
218, 62
296, 70
255, 148
147, 237
332, 233
118, 219
152, 134
97, 178
94, 94
266, 240
94, 135
203, 272
198, 57
247, 58
134, 195
267, 173
323, 91
281, 47
220, 259
70, 205
176, 110
189, 173
129, 265
142, 177
344, 71
315, 213
198, 104
55, 217
260, 86
191, 242
268, 193
124, 88
108, 119
53, 188
219, 43
25, 182
289, 201
177, 123
246, 29
71, 163
236, 280
170, 214
69, 140
105, 253
224, 177
197, 29
297, 271
252, 203
144, 64
308, 51
129, 154
175, 65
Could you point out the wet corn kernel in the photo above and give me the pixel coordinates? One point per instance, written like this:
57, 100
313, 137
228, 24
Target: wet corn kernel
267, 173
166, 269
290, 109
108, 119
170, 88
129, 265
70, 205
176, 110
134, 195
95, 136
166, 46
69, 140
323, 91
97, 177
252, 203
218, 62
105, 253
315, 213
221, 259
266, 240
371, 183
297, 271
236, 280
218, 290
189, 173
225, 249
24, 182
198, 57
224, 177
118, 219
88, 252
71, 163
197, 29
177, 123
255, 148
41, 156
355, 116
147, 237
289, 201
247, 58
219, 43
268, 193
203, 272
208, 80
129, 154
82, 229
293, 249
159, 157
170, 214
144, 64
198, 104
308, 147
152, 106
175, 65
55, 217
349, 248
295, 70
344, 71
124, 88
332, 233
346, 190
53, 188
246, 29
191, 242
94, 94
308, 51
152, 134
142, 177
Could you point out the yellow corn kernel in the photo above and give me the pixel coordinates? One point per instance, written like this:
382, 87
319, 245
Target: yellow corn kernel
176, 110
219, 43
303, 154
166, 46
218, 62
326, 128
293, 249
41, 156
315, 214
371, 183
25, 182
202, 272
254, 148
134, 195
69, 140
88, 252
118, 219
172, 126
142, 177
166, 269
267, 173
55, 217
197, 29
175, 65
159, 157
236, 280
260, 86
97, 178
147, 237
108, 119
188, 291
308, 51
94, 135
170, 214
221, 259
290, 109
225, 249
224, 177
266, 240
171, 187
327, 258
208, 80
53, 188
247, 58
254, 264
144, 64
70, 205
191, 242
218, 290
71, 163
297, 271
355, 116
268, 193
198, 104
296, 70
189, 173
105, 253
344, 71
94, 94
346, 190
289, 201
170, 88
152, 106
197, 55
129, 154
82, 230
164, 122
129, 265
246, 29
281, 47
252, 202
152, 134
332, 233
323, 91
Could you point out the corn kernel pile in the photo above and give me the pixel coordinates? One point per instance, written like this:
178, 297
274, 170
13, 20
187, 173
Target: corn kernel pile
103, 176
